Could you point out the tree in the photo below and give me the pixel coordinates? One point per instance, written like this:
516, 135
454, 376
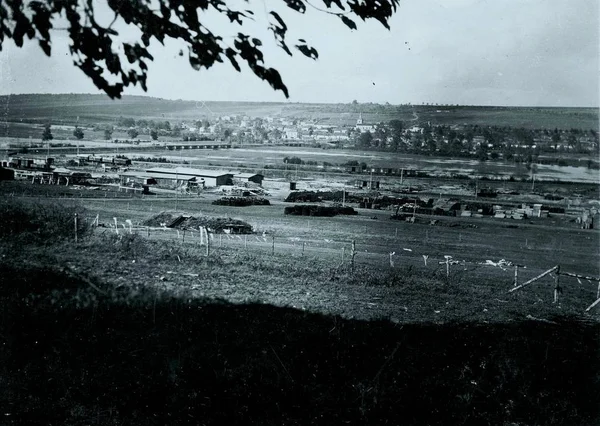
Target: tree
365, 139
78, 133
95, 45
154, 134
396, 130
47, 133
126, 122
108, 133
133, 133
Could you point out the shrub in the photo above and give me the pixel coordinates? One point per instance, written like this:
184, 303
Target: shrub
34, 222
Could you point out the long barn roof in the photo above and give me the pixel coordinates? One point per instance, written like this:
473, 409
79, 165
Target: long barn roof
187, 171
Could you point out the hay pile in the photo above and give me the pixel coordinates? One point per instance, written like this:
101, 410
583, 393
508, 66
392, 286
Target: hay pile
217, 225
241, 201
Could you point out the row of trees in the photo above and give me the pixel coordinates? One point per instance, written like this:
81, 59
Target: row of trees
474, 140
108, 132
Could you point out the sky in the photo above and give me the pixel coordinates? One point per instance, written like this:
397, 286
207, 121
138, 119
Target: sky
468, 52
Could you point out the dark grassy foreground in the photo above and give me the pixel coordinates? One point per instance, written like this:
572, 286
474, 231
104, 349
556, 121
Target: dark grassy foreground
75, 356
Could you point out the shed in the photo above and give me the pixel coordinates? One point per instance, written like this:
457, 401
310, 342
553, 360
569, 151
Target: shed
137, 177
249, 177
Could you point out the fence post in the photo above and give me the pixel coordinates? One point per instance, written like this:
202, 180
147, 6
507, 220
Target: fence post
556, 284
245, 242
448, 265
516, 275
147, 231
343, 253
207, 242
273, 245
76, 228
220, 240
183, 241
352, 254
303, 255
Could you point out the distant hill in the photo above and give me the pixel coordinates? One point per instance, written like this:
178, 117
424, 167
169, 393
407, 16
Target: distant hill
92, 109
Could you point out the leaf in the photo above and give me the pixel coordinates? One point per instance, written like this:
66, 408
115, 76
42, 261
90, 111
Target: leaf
308, 51
230, 53
349, 22
297, 5
45, 47
279, 21
338, 3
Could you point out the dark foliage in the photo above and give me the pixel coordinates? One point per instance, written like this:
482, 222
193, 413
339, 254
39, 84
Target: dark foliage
74, 355
241, 201
47, 133
308, 210
95, 46
78, 133
23, 222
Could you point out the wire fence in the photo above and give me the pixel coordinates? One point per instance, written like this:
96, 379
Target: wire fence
346, 253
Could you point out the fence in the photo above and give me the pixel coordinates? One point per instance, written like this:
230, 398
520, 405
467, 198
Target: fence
342, 252
556, 272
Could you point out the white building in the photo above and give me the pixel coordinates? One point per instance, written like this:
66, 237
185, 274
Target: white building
290, 134
362, 127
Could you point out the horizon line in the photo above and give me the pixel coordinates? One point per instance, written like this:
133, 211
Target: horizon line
430, 104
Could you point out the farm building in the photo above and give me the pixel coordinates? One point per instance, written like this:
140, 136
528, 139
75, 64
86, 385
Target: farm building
136, 177
178, 175
368, 184
249, 177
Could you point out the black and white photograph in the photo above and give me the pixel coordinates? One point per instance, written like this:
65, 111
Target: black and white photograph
300, 212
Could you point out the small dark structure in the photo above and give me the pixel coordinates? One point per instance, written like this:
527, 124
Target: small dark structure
374, 184
292, 186
311, 210
241, 201
487, 193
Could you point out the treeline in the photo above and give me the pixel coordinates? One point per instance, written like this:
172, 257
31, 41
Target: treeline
474, 141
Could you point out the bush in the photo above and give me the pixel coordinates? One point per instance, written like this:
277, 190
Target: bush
34, 222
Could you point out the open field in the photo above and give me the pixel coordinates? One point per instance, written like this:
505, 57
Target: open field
134, 330
537, 244
92, 109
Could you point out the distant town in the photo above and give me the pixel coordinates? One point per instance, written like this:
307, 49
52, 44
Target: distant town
482, 142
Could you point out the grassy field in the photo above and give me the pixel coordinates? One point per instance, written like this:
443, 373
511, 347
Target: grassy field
129, 330
537, 244
94, 109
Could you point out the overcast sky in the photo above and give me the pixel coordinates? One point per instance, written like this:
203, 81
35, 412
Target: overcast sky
483, 52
